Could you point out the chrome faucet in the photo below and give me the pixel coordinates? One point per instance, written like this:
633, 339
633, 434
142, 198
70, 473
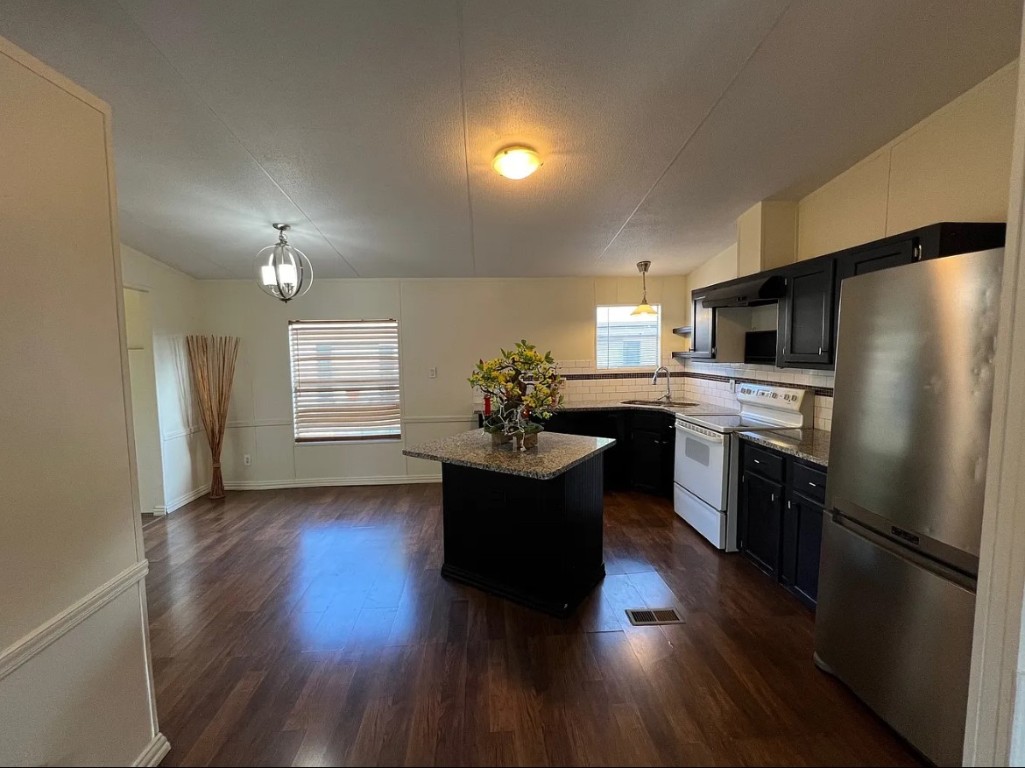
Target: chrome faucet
654, 380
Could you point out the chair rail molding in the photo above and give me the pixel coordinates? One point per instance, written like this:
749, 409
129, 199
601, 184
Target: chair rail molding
46, 634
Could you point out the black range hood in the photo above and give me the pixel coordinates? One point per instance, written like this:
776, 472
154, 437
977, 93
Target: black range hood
747, 293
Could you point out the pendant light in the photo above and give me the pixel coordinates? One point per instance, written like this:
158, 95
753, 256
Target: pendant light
644, 308
282, 270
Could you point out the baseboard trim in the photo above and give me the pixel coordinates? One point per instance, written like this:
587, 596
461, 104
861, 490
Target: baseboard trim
182, 500
46, 634
322, 482
154, 751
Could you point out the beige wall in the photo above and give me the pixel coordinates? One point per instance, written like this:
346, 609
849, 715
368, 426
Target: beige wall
952, 166
75, 683
447, 324
722, 266
175, 306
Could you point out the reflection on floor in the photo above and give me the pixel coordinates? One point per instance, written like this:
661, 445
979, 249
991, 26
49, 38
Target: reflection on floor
311, 627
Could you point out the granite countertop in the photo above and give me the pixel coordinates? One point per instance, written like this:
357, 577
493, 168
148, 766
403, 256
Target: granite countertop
619, 405
555, 453
809, 444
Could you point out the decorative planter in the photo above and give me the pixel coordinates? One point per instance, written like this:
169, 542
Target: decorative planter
527, 440
500, 438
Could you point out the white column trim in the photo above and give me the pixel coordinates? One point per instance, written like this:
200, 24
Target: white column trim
46, 634
154, 752
991, 735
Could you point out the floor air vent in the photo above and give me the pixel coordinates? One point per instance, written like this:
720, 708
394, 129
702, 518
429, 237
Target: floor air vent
645, 617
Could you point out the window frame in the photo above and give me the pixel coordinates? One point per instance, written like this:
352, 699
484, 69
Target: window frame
344, 439
658, 340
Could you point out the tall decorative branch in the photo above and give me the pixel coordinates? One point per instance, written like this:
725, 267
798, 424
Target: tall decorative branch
212, 362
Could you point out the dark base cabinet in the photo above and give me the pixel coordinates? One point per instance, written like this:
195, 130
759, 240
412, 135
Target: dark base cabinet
538, 542
780, 518
641, 459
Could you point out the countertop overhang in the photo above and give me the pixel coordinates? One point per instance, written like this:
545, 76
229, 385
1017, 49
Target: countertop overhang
808, 444
555, 453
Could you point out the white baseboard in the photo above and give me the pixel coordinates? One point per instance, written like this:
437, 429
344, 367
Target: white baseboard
182, 500
16, 654
321, 482
154, 751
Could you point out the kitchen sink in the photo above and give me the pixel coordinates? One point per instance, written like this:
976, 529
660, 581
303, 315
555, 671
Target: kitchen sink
671, 403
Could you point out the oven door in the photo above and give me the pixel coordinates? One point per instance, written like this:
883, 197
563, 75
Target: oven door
701, 463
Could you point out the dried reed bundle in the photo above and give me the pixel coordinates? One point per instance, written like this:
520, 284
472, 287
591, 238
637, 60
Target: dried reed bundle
212, 361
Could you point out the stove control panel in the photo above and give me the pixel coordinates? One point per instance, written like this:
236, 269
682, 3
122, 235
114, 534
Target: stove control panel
788, 404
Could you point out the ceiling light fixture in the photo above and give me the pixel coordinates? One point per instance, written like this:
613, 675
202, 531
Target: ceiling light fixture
282, 270
644, 308
516, 162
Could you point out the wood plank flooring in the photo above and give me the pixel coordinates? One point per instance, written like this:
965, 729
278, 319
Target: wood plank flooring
311, 627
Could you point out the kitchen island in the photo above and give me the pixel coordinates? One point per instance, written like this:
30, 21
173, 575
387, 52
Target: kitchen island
527, 526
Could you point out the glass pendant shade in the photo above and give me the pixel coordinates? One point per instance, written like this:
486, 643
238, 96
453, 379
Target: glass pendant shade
644, 308
282, 270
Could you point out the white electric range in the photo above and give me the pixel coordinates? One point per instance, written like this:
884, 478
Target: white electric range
707, 469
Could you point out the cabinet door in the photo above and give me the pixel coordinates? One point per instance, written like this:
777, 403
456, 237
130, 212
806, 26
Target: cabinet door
646, 460
802, 540
864, 260
806, 315
703, 333
758, 534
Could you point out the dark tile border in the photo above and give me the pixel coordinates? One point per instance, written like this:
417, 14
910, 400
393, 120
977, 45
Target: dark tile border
821, 391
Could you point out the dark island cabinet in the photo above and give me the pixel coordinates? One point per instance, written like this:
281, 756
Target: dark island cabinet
805, 332
780, 518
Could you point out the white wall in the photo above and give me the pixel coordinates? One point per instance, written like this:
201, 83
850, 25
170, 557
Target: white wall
175, 310
145, 418
446, 324
75, 682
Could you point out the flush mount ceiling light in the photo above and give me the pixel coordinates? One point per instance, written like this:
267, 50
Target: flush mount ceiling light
516, 162
282, 270
644, 308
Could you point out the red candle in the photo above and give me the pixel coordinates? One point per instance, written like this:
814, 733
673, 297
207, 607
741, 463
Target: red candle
487, 405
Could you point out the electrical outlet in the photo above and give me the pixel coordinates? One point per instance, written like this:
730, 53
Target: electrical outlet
247, 460
432, 373
733, 385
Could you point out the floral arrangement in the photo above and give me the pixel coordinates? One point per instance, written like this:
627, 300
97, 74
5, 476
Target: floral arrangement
520, 388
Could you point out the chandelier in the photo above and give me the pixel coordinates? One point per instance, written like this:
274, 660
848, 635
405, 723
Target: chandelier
282, 270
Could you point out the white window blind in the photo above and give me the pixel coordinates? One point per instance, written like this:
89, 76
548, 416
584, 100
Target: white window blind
345, 380
625, 340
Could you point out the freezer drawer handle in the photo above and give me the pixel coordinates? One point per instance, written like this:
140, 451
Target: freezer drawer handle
907, 536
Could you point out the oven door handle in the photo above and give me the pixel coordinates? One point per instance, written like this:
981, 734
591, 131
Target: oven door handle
700, 433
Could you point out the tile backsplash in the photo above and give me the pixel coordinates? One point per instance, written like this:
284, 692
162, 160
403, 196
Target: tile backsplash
706, 382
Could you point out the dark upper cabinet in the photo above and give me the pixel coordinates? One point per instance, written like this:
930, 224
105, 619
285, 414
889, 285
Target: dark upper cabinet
861, 261
801, 543
703, 332
805, 332
758, 527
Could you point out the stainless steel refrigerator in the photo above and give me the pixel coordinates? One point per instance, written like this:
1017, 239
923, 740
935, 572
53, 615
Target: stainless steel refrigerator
907, 471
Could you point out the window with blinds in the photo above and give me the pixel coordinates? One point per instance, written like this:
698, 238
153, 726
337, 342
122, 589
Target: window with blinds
625, 340
345, 380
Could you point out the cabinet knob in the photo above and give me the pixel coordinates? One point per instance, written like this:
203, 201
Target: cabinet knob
813, 485
820, 350
773, 496
756, 461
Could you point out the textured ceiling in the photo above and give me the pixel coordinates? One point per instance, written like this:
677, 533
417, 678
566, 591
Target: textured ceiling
370, 126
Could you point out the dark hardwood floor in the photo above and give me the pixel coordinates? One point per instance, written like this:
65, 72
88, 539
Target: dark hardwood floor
311, 627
